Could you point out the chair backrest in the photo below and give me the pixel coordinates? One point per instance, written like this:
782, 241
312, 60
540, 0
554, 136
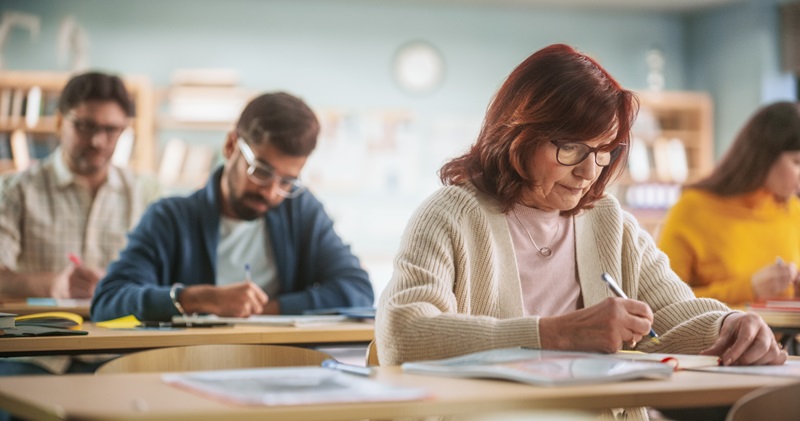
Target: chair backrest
779, 403
212, 357
372, 354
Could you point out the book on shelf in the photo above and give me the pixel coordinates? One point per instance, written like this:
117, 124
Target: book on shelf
291, 386
5, 146
6, 96
20, 150
542, 367
263, 320
17, 107
33, 106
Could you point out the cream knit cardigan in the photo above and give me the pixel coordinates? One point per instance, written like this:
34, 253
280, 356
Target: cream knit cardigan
455, 287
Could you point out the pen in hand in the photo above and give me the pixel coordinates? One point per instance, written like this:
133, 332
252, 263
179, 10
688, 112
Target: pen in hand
349, 368
74, 259
612, 284
247, 274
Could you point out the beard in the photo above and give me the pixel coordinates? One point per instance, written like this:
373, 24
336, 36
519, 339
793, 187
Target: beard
240, 207
88, 162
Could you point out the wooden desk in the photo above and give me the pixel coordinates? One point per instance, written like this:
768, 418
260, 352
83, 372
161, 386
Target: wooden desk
21, 307
146, 397
101, 340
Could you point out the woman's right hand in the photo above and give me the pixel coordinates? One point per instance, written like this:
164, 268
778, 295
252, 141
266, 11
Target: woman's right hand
774, 279
600, 328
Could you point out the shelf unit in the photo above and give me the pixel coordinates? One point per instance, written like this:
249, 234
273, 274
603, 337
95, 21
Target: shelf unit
143, 155
687, 116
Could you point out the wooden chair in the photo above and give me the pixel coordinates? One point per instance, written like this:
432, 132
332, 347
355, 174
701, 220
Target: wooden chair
372, 354
212, 357
774, 403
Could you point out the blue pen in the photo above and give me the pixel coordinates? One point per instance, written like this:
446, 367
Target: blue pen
247, 274
612, 284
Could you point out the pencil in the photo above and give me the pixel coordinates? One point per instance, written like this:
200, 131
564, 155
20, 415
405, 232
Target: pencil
612, 285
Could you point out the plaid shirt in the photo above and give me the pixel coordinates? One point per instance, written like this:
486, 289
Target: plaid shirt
44, 215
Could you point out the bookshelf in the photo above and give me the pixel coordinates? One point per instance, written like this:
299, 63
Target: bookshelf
17, 86
682, 120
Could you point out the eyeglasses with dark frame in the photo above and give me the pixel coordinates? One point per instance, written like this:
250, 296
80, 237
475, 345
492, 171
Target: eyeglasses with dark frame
89, 128
264, 175
573, 153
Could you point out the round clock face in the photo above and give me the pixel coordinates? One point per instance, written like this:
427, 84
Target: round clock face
418, 67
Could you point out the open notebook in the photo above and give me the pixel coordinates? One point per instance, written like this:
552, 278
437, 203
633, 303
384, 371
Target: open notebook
543, 367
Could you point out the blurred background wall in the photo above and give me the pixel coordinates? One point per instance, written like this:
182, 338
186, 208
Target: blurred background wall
382, 146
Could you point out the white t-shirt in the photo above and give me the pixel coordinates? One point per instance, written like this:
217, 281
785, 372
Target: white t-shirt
243, 242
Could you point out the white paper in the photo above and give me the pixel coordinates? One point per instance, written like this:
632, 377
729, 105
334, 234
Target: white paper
290, 386
790, 369
299, 320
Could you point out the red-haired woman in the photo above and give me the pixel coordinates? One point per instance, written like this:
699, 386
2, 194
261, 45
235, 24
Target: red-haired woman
511, 251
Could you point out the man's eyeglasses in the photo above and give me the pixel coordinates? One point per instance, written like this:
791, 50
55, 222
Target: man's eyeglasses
90, 129
264, 175
573, 153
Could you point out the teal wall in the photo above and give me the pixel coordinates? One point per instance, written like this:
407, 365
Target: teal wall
734, 54
339, 52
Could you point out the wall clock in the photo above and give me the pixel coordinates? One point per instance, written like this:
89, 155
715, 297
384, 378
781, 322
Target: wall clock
418, 67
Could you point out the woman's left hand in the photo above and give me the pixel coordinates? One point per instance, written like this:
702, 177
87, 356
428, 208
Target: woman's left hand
745, 339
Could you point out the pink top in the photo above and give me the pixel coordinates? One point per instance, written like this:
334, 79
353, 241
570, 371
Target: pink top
550, 285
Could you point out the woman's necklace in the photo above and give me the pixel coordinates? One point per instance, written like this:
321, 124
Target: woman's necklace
544, 251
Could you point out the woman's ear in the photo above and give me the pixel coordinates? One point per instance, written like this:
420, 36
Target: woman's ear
230, 144
517, 159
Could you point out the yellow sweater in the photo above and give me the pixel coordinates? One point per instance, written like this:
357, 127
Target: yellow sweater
716, 244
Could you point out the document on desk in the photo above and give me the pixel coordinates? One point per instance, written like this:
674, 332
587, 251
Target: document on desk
542, 367
790, 368
301, 320
291, 386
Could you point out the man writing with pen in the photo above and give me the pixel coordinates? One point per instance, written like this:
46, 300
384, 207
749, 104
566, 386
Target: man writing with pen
188, 254
65, 219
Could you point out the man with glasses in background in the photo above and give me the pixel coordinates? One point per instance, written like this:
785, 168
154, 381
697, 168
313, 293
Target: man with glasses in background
65, 219
252, 241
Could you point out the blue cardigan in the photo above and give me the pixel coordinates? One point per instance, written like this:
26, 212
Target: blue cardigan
176, 241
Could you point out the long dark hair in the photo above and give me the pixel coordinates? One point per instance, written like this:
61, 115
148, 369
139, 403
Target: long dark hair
555, 94
771, 131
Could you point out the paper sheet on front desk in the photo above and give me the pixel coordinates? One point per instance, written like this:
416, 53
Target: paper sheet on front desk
290, 386
789, 369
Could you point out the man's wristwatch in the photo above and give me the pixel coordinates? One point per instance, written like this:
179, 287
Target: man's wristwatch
174, 292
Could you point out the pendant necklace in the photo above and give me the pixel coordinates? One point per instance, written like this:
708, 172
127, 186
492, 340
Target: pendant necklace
544, 251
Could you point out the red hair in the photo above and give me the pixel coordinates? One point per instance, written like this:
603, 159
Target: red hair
555, 94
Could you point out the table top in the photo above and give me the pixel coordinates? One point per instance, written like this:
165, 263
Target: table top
144, 396
102, 340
